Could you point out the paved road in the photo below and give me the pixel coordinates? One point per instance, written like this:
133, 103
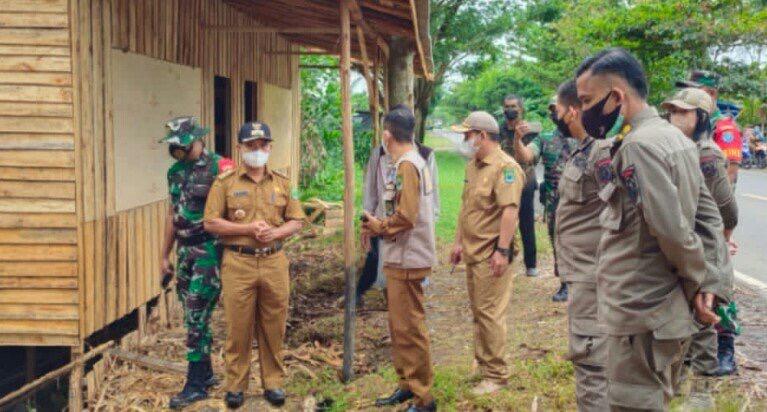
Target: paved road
751, 232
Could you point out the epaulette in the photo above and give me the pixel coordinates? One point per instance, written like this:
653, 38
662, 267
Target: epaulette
226, 174
280, 174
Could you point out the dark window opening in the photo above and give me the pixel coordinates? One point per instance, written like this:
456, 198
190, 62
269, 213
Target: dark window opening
223, 114
251, 101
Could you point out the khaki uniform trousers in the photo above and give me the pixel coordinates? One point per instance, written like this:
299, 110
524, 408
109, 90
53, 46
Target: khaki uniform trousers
588, 347
489, 297
255, 292
641, 371
700, 357
409, 337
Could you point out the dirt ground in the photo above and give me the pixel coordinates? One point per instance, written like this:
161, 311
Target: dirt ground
542, 377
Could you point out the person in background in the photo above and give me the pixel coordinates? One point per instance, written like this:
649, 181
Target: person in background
372, 202
588, 171
726, 132
554, 150
516, 133
197, 252
712, 350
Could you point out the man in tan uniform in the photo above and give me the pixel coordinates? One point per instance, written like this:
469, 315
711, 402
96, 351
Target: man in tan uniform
651, 267
578, 232
486, 225
407, 250
690, 110
253, 210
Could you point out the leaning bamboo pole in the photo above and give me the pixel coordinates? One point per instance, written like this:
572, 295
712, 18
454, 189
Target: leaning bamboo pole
349, 238
55, 374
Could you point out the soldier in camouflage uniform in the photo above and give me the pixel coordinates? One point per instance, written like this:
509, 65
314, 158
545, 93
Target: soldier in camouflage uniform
197, 279
554, 149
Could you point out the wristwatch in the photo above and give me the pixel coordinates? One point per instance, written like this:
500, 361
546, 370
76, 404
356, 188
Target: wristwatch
503, 252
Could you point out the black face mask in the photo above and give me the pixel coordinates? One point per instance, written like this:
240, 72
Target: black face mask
597, 123
179, 152
563, 128
510, 114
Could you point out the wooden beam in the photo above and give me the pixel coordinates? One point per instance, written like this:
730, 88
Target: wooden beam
349, 237
302, 53
272, 30
419, 45
148, 362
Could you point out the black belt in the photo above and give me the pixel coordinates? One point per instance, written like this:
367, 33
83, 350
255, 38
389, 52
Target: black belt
264, 251
194, 240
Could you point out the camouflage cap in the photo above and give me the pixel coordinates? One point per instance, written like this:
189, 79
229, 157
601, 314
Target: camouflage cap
690, 98
183, 131
700, 78
482, 121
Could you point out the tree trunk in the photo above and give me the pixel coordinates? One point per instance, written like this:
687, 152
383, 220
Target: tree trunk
424, 90
400, 72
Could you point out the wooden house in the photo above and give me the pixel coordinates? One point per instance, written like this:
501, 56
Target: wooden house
85, 88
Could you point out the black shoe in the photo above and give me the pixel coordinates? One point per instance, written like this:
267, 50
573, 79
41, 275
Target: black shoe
430, 407
234, 400
276, 397
561, 295
209, 378
194, 389
726, 355
396, 398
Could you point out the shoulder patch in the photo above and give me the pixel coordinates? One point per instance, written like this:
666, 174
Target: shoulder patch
708, 166
225, 165
629, 178
225, 174
728, 137
604, 170
509, 175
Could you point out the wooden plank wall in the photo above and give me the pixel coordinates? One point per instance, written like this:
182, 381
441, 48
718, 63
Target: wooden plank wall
119, 251
38, 225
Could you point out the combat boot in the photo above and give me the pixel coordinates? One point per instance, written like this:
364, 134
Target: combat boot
561, 295
194, 389
209, 378
726, 354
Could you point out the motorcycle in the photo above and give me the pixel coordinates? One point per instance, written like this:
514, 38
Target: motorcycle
760, 157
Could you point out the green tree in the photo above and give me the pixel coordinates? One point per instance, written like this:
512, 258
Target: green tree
465, 35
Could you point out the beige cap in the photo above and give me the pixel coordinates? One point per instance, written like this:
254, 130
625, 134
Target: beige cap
690, 99
482, 121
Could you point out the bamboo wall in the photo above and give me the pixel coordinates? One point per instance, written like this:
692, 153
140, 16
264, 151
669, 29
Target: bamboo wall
69, 263
38, 225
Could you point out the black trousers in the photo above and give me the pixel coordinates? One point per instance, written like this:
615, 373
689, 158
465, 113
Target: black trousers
370, 270
527, 223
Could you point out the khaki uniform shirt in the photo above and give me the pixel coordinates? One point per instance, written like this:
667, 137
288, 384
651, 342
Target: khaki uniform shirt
587, 171
649, 248
718, 210
491, 185
713, 165
237, 198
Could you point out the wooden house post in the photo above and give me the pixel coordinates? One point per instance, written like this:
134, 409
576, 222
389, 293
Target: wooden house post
400, 72
349, 238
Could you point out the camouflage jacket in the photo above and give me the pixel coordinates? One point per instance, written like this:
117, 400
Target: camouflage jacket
188, 184
554, 151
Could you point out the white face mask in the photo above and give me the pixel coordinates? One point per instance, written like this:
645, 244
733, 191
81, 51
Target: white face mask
468, 148
256, 158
